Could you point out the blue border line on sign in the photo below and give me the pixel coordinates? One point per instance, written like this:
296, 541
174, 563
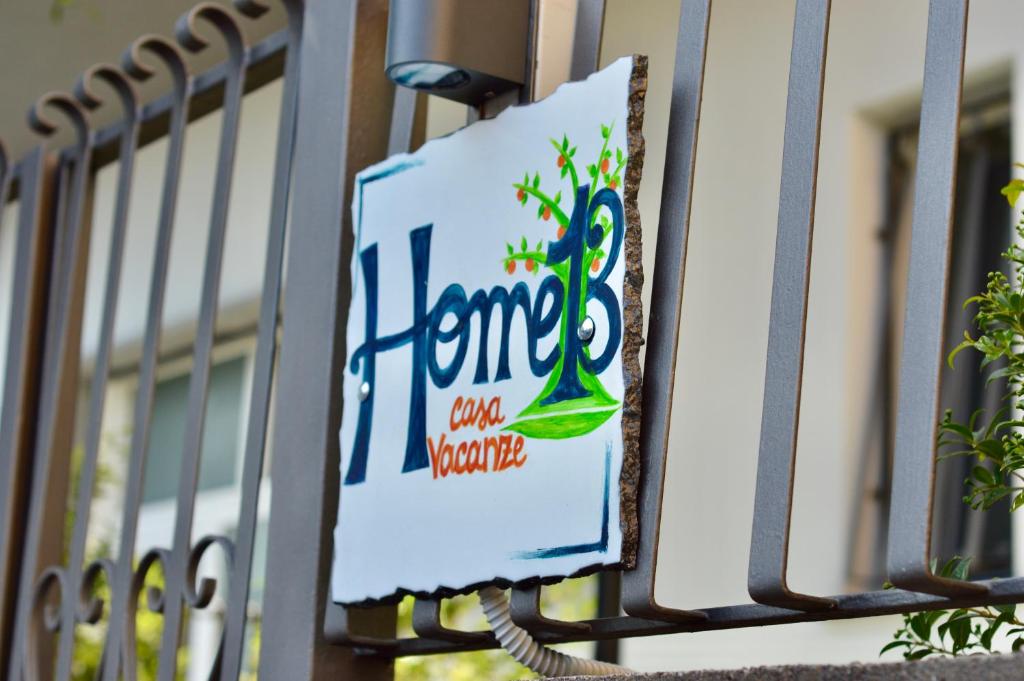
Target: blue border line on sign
363, 181
601, 545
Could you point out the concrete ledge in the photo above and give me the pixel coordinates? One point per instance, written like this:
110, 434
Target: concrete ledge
975, 668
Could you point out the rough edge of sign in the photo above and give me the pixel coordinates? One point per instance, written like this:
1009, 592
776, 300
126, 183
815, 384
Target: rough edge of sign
633, 315
632, 339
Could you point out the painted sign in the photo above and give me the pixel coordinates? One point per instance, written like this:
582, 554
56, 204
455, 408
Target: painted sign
491, 388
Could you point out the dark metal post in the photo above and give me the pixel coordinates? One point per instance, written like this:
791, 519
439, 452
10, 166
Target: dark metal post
342, 88
663, 328
780, 416
927, 285
21, 376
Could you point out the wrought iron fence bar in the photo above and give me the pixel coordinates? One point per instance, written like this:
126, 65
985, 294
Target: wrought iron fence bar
780, 415
70, 610
179, 581
524, 608
663, 326
913, 483
848, 606
426, 622
20, 378
265, 63
403, 118
266, 350
59, 364
586, 44
342, 90
118, 654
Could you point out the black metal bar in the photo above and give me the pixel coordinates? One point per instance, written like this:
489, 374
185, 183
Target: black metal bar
524, 607
117, 654
71, 612
663, 328
72, 244
586, 43
176, 572
266, 349
848, 606
910, 520
403, 116
426, 622
16, 422
337, 60
780, 416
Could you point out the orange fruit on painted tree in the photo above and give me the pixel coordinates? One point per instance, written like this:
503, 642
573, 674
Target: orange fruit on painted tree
561, 231
547, 213
529, 264
561, 161
604, 166
595, 266
613, 184
520, 195
511, 266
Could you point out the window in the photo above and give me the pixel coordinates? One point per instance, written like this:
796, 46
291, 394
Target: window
221, 434
981, 232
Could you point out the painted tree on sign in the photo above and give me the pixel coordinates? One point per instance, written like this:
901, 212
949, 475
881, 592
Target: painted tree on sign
544, 417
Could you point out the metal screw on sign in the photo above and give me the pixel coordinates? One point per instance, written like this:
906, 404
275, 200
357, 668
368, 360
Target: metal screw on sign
364, 391
586, 329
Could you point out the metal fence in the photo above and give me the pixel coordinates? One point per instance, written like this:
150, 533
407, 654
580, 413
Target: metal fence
338, 115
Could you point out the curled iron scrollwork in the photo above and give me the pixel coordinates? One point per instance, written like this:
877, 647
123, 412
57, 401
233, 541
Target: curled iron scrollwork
186, 30
201, 595
45, 616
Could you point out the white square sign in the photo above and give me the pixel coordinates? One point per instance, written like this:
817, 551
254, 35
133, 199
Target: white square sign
491, 388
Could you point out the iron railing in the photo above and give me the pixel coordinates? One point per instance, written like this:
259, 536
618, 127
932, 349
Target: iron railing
338, 115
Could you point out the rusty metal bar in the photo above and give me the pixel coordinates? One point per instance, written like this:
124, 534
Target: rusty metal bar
21, 375
179, 571
910, 520
343, 89
663, 328
60, 372
780, 416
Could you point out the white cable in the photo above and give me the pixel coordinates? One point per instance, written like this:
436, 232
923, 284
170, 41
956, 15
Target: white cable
528, 652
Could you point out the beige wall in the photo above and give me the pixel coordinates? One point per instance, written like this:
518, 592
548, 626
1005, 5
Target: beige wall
873, 80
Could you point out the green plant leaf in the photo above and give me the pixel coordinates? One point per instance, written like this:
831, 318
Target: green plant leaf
892, 645
1013, 190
